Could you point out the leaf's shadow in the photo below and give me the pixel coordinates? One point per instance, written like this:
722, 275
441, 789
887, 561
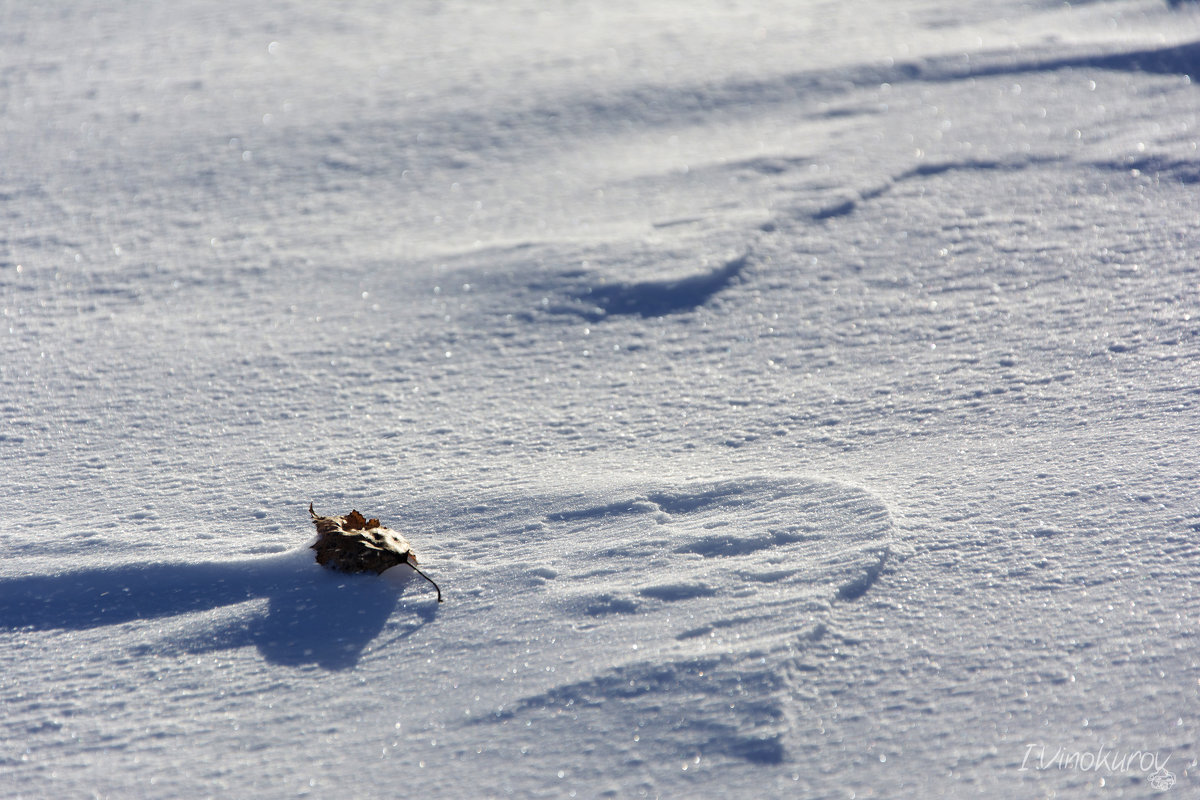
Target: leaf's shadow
313, 616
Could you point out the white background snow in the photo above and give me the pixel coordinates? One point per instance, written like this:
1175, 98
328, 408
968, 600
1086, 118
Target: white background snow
792, 399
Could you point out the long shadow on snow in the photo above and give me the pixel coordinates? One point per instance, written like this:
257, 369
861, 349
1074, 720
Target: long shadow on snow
1181, 59
654, 105
314, 616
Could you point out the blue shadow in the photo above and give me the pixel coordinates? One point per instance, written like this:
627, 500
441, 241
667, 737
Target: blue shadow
314, 616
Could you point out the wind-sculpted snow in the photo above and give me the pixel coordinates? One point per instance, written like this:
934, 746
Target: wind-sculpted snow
791, 399
843, 206
1182, 59
1180, 170
703, 597
716, 589
531, 283
657, 298
517, 129
734, 710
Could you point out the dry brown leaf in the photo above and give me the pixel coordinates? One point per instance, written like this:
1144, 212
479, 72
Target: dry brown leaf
354, 544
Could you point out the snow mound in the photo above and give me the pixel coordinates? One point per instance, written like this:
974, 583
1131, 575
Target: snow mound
747, 541
697, 602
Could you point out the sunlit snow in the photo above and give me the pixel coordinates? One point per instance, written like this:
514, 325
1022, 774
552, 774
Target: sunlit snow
791, 399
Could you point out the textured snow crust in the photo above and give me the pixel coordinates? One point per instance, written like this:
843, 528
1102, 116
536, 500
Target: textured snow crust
790, 399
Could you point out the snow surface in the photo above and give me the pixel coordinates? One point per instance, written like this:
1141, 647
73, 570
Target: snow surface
792, 399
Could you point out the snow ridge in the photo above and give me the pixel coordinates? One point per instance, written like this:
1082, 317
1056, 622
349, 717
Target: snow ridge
658, 298
716, 590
